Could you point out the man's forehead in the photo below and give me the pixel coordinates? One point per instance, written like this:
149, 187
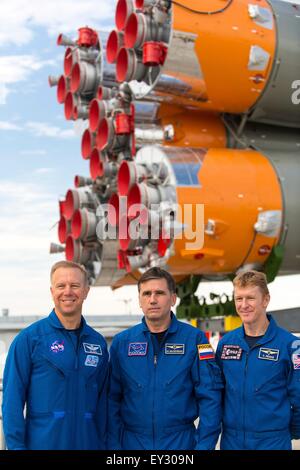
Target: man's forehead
67, 273
154, 284
246, 290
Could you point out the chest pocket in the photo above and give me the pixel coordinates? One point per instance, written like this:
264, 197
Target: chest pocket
270, 381
48, 386
130, 383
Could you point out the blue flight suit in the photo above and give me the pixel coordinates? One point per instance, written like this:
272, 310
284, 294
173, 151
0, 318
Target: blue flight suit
63, 381
262, 390
157, 390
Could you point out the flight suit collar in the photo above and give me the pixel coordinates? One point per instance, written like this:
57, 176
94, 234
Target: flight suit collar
268, 336
56, 323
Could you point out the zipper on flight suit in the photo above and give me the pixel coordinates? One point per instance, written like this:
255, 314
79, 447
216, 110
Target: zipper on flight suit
244, 389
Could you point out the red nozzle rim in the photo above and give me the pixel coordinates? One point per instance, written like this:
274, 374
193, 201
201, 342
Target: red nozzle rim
62, 207
124, 178
102, 134
122, 65
131, 31
134, 195
69, 204
122, 13
100, 93
113, 210
112, 47
94, 115
75, 77
103, 93
162, 245
61, 90
70, 248
139, 4
63, 229
127, 264
96, 164
77, 181
121, 259
68, 62
59, 39
87, 143
76, 224
69, 106
124, 238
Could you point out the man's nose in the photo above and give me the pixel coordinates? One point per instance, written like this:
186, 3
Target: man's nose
67, 290
153, 298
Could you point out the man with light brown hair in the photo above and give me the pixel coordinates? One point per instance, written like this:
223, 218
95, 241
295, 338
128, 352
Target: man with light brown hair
57, 367
260, 364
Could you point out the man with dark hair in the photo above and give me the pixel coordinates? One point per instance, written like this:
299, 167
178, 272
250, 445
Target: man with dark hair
260, 363
163, 377
58, 368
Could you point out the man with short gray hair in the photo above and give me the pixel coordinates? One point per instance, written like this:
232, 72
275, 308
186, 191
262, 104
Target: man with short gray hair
57, 367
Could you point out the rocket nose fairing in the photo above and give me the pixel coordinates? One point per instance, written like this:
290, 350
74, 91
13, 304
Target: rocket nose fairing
192, 140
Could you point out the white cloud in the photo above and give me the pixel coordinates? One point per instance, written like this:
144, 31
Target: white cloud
38, 129
19, 17
18, 68
27, 213
42, 129
9, 126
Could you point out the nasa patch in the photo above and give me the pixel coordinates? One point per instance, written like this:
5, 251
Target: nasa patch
57, 347
137, 349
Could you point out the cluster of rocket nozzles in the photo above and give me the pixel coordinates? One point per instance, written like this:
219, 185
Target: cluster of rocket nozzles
95, 90
183, 105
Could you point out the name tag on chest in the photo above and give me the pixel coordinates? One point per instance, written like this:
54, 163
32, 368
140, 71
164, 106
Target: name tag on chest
268, 354
174, 348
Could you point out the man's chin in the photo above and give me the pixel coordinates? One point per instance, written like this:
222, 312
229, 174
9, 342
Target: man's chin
68, 311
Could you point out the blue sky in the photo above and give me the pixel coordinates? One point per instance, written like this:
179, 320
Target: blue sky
40, 152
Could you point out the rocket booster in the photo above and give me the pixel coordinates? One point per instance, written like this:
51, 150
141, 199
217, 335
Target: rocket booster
192, 140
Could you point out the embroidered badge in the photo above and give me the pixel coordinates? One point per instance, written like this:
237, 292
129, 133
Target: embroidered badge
92, 349
137, 349
91, 361
231, 351
174, 348
57, 347
205, 351
268, 354
296, 361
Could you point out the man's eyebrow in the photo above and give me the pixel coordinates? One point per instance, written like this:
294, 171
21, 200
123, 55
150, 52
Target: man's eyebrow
156, 291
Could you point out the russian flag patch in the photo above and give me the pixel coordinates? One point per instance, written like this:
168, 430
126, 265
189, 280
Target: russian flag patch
205, 351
